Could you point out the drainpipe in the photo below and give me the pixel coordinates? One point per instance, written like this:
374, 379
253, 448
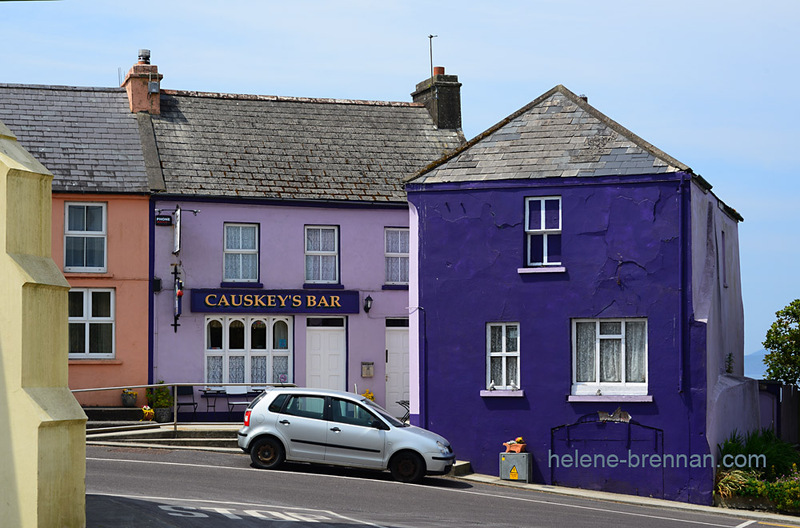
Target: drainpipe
683, 250
151, 293
423, 381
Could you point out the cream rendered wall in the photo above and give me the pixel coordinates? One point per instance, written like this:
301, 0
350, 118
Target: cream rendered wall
42, 427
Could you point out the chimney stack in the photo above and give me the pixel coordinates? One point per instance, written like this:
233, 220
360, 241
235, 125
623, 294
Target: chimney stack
441, 95
143, 84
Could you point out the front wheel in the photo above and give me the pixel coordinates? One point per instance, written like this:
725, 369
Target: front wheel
267, 453
407, 467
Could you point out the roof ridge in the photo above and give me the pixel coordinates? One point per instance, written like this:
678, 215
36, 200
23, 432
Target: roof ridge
282, 98
65, 87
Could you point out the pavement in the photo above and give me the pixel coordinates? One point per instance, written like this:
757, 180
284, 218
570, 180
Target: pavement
779, 519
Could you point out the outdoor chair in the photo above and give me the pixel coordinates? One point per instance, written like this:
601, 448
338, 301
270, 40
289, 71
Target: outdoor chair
237, 391
186, 392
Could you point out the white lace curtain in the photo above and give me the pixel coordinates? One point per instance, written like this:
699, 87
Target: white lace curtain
603, 341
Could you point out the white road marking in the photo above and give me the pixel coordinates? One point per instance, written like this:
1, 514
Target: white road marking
227, 513
520, 499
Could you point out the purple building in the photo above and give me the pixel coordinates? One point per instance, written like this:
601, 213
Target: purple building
280, 241
576, 286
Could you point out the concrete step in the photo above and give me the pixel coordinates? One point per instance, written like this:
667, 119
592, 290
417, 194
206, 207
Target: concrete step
134, 414
150, 434
461, 468
108, 414
180, 442
159, 431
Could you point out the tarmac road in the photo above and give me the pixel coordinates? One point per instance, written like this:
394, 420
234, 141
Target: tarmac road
135, 487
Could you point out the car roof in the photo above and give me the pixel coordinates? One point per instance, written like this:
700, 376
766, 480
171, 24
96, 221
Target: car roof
316, 392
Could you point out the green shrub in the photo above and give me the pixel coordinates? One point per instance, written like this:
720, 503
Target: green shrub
159, 396
785, 492
778, 459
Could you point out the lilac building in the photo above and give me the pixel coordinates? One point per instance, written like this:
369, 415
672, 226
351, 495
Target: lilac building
280, 235
576, 286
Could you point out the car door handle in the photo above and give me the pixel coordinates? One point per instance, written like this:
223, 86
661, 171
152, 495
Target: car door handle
285, 422
336, 430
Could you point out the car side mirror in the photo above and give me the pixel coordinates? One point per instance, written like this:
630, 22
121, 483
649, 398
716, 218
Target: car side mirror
377, 424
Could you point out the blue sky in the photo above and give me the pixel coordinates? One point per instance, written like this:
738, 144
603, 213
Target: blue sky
713, 83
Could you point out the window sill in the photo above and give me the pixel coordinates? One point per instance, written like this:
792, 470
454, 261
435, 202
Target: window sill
542, 269
502, 393
322, 286
109, 361
589, 398
88, 274
395, 287
241, 285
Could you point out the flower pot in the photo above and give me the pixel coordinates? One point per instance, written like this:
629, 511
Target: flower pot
129, 399
514, 448
163, 414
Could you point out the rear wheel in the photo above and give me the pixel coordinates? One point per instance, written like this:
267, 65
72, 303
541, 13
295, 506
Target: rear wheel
407, 467
267, 453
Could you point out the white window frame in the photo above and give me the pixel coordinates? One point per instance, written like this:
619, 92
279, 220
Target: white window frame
103, 233
505, 355
545, 233
248, 352
316, 253
395, 255
87, 319
604, 388
228, 251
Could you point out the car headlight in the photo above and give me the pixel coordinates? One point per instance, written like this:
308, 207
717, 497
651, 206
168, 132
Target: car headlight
445, 449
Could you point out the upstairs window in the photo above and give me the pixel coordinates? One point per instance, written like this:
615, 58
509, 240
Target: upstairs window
322, 254
85, 237
543, 229
609, 356
241, 253
396, 255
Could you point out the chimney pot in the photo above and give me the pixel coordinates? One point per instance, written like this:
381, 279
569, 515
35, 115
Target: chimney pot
438, 70
144, 56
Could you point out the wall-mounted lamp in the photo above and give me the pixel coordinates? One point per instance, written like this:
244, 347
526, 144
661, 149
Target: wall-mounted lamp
368, 304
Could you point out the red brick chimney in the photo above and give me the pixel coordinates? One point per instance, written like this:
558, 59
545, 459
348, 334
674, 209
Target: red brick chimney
143, 84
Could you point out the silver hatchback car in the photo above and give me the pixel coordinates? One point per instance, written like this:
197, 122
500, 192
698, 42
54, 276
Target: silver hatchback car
338, 428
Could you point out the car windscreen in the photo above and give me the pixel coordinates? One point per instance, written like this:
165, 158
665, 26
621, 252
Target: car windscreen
384, 413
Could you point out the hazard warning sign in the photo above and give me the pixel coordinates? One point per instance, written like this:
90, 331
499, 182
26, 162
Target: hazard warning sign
514, 475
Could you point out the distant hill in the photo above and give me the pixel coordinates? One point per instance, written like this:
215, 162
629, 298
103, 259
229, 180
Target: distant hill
754, 364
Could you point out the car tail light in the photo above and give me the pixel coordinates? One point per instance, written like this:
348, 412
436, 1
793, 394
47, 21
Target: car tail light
247, 418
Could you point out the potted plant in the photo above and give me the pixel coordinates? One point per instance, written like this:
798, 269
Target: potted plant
129, 398
160, 399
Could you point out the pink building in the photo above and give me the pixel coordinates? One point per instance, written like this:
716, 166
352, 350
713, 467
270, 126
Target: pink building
89, 140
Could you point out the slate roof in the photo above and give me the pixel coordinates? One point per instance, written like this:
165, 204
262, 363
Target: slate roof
558, 135
294, 148
86, 137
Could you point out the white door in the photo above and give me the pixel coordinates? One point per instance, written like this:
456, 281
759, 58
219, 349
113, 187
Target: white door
326, 357
396, 369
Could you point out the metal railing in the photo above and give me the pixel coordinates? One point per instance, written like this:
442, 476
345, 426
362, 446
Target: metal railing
173, 388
